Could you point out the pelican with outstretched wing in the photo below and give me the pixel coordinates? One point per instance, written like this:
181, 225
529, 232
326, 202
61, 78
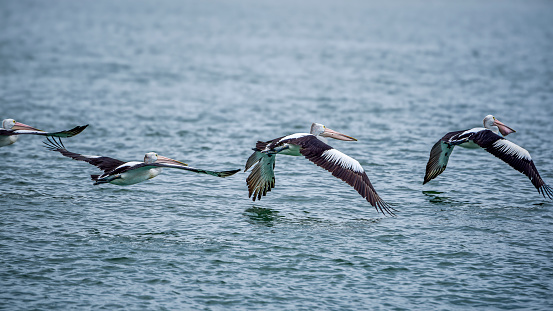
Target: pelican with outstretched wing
127, 173
313, 146
10, 131
491, 138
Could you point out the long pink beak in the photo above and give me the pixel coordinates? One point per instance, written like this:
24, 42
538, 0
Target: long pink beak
165, 160
21, 126
504, 129
336, 135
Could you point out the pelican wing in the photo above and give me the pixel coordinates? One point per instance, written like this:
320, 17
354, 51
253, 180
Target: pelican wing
439, 156
69, 133
270, 144
106, 164
514, 155
262, 177
341, 166
188, 168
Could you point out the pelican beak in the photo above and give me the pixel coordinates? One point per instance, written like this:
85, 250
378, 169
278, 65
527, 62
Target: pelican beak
165, 160
333, 134
21, 126
504, 129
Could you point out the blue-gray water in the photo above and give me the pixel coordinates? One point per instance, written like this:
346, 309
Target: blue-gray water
201, 81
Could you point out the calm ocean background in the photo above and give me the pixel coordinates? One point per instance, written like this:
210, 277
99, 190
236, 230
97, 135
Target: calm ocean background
201, 82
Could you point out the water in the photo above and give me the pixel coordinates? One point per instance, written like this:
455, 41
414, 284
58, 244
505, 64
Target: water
201, 82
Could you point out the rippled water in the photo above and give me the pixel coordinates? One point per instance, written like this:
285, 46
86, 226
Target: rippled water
201, 82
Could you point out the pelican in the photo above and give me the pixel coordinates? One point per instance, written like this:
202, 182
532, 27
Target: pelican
490, 138
10, 131
312, 146
122, 173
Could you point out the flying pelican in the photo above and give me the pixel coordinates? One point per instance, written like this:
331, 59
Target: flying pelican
313, 146
491, 138
10, 131
127, 173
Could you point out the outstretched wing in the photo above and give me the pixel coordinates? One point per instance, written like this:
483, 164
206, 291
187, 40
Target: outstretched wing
341, 166
72, 132
262, 177
188, 168
104, 163
514, 155
439, 156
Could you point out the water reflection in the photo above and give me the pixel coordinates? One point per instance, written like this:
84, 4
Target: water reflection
435, 198
262, 216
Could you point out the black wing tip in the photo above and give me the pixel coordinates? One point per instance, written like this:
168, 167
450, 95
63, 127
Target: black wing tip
54, 145
385, 208
256, 192
82, 127
432, 174
228, 173
253, 195
69, 133
427, 179
546, 191
76, 130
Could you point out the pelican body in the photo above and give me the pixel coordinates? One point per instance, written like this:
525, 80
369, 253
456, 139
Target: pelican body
314, 147
123, 173
10, 131
491, 138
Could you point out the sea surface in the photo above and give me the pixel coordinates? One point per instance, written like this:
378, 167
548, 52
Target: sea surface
201, 82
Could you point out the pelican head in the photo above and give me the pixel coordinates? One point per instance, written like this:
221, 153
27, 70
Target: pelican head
318, 129
490, 122
11, 124
152, 157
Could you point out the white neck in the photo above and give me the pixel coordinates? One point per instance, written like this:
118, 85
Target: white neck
323, 139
